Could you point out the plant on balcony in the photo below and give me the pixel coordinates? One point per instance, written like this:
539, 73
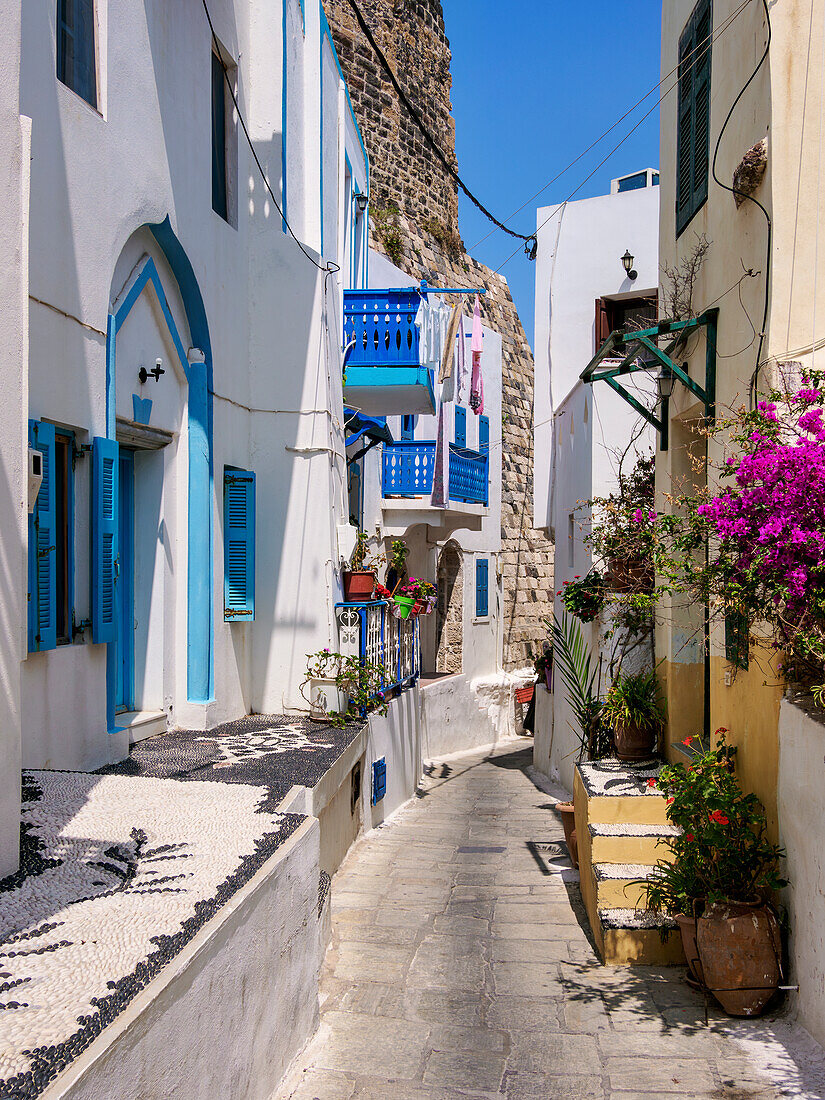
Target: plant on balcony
584, 597
634, 710
353, 686
419, 594
359, 579
722, 872
397, 565
622, 529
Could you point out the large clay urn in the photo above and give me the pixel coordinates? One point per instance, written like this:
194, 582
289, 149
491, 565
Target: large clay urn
739, 952
687, 928
568, 821
633, 743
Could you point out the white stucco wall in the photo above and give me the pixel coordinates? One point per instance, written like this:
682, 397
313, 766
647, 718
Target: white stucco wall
578, 261
274, 330
801, 806
14, 236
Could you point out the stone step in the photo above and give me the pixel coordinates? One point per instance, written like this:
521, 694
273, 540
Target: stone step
638, 937
616, 885
619, 793
629, 843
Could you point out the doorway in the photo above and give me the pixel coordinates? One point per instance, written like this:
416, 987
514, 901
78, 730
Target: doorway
125, 687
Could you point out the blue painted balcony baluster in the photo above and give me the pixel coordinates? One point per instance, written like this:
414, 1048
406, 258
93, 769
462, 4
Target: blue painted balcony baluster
383, 374
408, 468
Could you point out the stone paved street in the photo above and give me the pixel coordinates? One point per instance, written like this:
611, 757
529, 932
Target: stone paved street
461, 967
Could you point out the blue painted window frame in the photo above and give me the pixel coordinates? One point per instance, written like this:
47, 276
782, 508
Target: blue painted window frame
42, 586
460, 426
483, 434
408, 426
482, 588
239, 545
105, 532
68, 438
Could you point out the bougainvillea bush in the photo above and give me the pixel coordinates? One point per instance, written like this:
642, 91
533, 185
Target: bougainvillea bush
765, 526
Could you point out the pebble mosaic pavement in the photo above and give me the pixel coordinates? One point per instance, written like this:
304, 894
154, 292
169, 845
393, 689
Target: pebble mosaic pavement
120, 869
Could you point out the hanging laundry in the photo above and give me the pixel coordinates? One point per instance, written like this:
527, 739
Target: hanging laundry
431, 326
439, 496
477, 382
459, 379
448, 350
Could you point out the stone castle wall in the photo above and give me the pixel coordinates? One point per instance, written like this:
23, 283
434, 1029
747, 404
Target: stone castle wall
414, 208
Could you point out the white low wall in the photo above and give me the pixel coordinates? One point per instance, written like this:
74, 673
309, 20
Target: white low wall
227, 1016
801, 804
395, 736
459, 713
556, 746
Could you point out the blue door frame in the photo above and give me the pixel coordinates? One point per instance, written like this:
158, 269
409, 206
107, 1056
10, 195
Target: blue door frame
125, 597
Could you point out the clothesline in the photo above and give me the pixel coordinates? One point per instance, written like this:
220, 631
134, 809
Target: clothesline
424, 289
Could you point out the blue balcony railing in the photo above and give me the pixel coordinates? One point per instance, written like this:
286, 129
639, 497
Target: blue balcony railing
370, 631
408, 468
383, 373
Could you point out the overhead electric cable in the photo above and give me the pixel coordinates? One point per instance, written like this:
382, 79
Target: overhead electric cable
529, 239
329, 268
726, 23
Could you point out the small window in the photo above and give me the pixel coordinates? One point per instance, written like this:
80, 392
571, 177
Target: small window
634, 182
239, 545
407, 427
460, 426
482, 588
571, 541
484, 434
219, 182
693, 117
76, 48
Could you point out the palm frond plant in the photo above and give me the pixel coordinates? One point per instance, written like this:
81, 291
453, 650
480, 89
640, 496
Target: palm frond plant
579, 673
635, 712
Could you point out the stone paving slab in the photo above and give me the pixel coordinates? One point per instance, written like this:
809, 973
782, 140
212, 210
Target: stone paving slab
445, 985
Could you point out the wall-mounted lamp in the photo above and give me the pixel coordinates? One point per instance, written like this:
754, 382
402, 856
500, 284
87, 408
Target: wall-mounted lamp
361, 202
627, 264
664, 382
156, 372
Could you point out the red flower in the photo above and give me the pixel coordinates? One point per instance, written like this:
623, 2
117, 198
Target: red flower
669, 801
651, 782
722, 729
687, 740
719, 818
689, 837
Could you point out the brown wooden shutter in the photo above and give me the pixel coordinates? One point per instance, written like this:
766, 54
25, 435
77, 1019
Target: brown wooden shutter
602, 328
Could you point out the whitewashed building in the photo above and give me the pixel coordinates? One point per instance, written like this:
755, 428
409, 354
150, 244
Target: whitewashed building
173, 347
584, 292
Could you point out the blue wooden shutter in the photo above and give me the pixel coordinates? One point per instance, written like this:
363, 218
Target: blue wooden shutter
482, 602
42, 546
484, 434
105, 550
460, 426
239, 545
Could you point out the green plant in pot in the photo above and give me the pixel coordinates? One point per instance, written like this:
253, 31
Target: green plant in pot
722, 871
359, 579
579, 675
584, 597
635, 712
397, 564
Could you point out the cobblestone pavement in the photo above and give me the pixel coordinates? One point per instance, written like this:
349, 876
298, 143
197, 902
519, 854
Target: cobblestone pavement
460, 967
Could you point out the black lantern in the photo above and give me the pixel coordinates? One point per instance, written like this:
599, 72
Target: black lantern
627, 264
361, 202
664, 382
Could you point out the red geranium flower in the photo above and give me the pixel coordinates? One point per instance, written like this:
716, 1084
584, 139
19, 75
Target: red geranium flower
689, 837
687, 740
669, 801
651, 782
719, 818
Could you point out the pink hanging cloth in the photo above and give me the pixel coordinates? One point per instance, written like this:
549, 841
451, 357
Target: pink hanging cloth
477, 382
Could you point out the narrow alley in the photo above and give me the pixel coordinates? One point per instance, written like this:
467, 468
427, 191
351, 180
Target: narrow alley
460, 967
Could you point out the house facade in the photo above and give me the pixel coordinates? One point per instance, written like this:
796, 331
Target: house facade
184, 205
584, 435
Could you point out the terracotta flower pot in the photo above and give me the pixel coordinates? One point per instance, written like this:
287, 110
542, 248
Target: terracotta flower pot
739, 951
568, 822
630, 575
634, 743
358, 584
687, 927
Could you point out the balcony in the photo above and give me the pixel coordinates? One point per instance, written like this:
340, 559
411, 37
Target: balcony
407, 485
369, 631
383, 375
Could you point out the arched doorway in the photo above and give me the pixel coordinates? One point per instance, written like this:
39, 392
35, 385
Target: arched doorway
450, 610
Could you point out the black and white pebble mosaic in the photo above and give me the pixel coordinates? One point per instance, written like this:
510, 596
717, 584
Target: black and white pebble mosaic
269, 750
118, 874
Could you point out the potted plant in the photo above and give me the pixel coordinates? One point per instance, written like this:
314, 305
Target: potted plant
580, 675
584, 597
342, 688
397, 565
359, 579
622, 530
726, 868
413, 596
634, 711
325, 694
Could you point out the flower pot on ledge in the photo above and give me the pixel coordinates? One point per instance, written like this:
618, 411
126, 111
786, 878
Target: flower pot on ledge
358, 584
403, 606
626, 575
632, 742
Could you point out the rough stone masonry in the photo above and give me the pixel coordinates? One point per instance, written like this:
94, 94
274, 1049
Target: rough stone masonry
414, 221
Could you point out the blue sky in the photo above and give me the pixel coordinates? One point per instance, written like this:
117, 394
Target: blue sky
534, 83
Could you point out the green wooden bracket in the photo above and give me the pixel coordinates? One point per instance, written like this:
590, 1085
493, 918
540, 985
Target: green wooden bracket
637, 405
